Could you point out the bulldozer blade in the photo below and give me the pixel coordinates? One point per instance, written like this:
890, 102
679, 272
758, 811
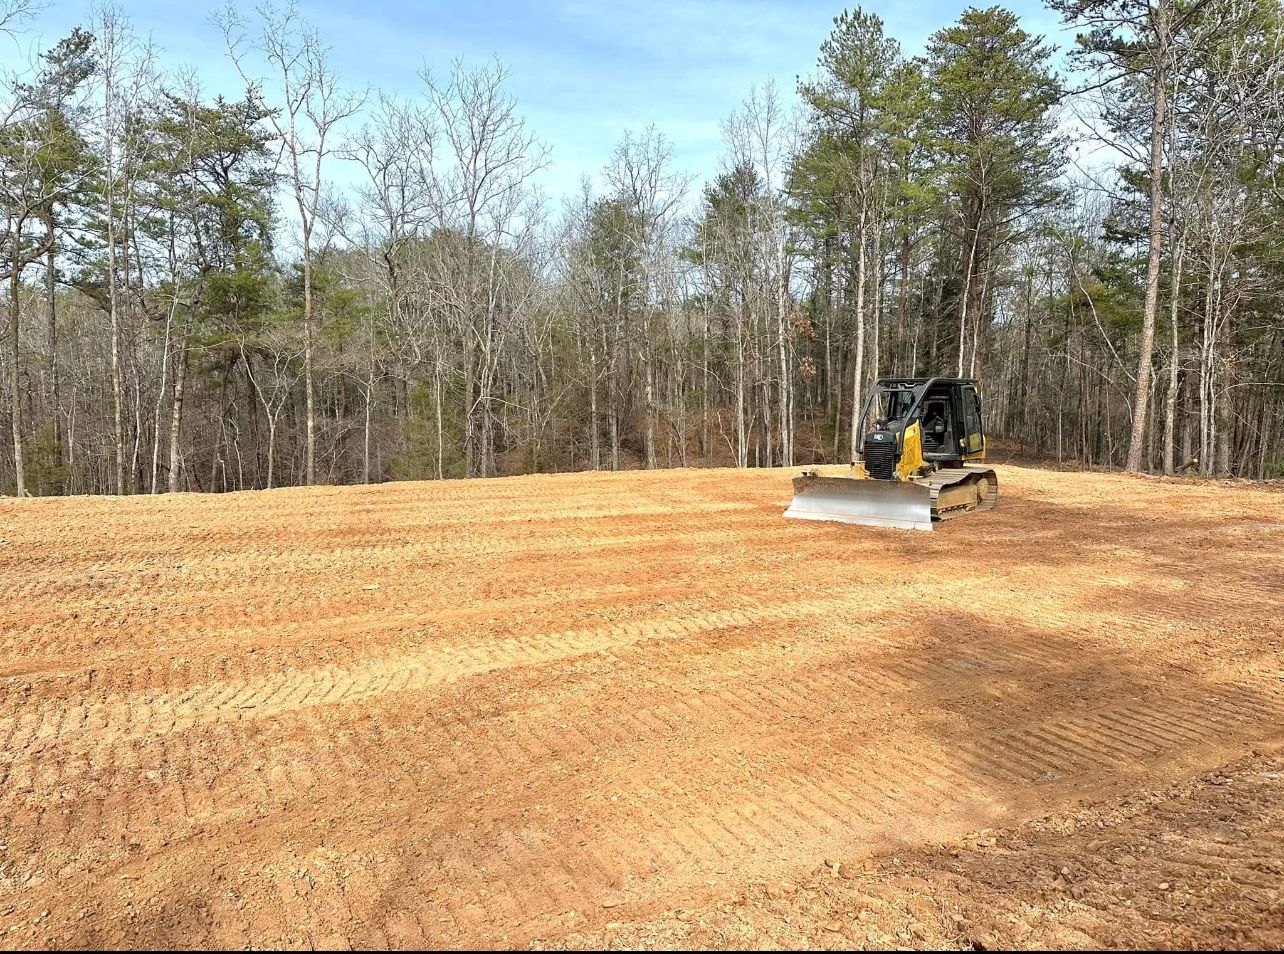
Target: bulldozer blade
873, 503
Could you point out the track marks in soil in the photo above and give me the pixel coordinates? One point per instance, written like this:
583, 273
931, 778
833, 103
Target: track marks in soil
542, 711
1194, 865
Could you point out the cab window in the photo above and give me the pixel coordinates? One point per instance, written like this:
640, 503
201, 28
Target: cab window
974, 440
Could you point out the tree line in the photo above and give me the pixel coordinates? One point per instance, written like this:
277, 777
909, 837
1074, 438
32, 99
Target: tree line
309, 282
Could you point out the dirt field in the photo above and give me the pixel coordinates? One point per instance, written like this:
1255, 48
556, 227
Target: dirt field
642, 709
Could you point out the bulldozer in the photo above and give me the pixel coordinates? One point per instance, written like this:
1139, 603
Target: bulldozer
921, 441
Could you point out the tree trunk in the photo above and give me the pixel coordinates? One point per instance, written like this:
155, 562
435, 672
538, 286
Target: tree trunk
1146, 345
176, 417
271, 457
902, 308
595, 441
876, 311
470, 392
1207, 366
113, 299
51, 290
441, 431
969, 280
615, 437
706, 433
166, 348
370, 389
1023, 380
1225, 433
649, 411
857, 383
1174, 366
785, 390
365, 446
310, 467
742, 436
15, 391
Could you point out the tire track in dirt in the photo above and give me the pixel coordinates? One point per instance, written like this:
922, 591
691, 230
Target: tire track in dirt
263, 698
1193, 866
31, 636
734, 830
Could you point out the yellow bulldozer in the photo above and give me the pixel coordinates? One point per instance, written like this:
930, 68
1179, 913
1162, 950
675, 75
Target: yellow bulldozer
921, 441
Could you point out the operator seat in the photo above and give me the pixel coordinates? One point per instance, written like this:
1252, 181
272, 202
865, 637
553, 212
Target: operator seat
935, 425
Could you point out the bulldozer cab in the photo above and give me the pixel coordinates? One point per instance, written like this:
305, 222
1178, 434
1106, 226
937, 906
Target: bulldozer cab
947, 411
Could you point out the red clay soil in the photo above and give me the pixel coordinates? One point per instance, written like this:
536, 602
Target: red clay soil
642, 710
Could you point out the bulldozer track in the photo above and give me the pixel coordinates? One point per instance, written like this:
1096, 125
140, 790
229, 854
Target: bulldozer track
420, 726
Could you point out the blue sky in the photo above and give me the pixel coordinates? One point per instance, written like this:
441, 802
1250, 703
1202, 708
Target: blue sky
582, 71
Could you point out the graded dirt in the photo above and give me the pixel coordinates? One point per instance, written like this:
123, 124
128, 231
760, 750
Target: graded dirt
642, 709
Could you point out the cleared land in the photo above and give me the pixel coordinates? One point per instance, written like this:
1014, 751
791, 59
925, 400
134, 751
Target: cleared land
623, 709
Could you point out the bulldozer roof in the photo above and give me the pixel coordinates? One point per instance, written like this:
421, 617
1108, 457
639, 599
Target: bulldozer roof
908, 383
